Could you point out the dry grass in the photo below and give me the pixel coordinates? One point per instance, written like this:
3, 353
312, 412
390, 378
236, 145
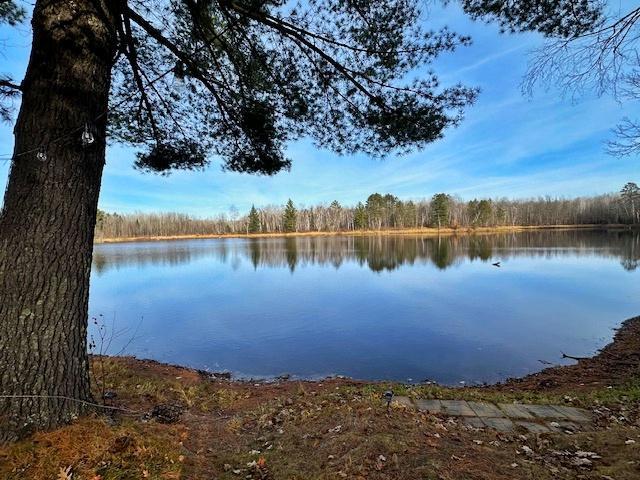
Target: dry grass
426, 231
311, 430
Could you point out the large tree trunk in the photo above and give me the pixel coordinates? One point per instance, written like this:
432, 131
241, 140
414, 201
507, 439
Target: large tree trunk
47, 224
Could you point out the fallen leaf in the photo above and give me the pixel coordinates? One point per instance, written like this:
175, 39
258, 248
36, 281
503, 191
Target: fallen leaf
65, 473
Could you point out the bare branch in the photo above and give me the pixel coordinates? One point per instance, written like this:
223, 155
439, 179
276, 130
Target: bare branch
628, 139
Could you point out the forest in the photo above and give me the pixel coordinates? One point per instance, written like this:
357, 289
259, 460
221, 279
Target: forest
385, 212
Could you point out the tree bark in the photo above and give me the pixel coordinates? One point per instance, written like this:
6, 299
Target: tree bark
47, 223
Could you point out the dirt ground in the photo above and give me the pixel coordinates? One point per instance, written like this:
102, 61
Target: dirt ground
177, 423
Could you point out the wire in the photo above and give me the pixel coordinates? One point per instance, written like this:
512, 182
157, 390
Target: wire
84, 402
4, 157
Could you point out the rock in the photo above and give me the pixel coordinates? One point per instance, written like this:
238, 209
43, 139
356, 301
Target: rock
527, 450
629, 442
581, 462
335, 429
166, 413
583, 454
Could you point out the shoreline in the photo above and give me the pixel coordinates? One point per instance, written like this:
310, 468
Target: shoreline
615, 364
169, 422
425, 231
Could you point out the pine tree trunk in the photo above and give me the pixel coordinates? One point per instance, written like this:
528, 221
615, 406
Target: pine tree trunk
47, 223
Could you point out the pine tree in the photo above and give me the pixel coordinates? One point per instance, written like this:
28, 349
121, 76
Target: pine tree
254, 220
289, 217
440, 208
360, 217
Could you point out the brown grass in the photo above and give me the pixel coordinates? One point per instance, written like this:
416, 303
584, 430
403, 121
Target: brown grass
404, 231
329, 429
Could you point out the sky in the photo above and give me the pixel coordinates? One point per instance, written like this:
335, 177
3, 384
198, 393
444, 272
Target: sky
509, 145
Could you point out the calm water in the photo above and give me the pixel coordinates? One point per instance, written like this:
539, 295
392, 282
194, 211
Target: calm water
379, 307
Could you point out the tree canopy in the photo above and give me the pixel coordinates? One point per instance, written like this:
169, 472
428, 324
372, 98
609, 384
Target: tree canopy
238, 79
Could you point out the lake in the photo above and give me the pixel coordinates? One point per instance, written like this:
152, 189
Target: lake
404, 308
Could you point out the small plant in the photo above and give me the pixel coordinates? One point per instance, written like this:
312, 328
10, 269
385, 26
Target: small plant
100, 348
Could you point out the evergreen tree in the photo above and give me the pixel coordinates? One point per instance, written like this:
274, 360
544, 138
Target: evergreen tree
440, 204
289, 217
254, 220
375, 210
360, 217
408, 214
485, 210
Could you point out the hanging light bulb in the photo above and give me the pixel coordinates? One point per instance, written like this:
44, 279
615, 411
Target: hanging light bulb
42, 154
87, 137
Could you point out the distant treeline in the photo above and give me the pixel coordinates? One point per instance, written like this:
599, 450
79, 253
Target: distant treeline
381, 212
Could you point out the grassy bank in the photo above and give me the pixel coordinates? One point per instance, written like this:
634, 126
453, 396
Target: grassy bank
406, 231
182, 423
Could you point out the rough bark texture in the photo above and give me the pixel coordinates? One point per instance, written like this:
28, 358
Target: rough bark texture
48, 219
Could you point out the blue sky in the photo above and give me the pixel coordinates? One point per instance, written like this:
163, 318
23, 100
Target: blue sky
508, 145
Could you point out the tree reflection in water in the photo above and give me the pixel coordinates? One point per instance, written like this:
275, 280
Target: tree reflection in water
377, 252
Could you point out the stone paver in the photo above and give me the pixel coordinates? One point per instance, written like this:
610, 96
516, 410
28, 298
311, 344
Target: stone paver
507, 417
430, 406
400, 400
475, 422
485, 409
533, 427
574, 414
514, 410
544, 411
457, 408
500, 424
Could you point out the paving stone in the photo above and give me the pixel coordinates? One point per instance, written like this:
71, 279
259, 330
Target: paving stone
430, 406
533, 427
514, 410
545, 411
473, 422
500, 424
400, 400
485, 409
574, 414
457, 408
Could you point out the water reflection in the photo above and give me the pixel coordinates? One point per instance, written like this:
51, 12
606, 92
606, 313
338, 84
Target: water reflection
375, 307
378, 253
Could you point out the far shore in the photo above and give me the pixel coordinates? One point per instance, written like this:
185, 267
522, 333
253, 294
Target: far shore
426, 231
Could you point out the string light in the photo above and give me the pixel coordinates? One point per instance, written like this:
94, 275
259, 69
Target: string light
42, 154
86, 137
